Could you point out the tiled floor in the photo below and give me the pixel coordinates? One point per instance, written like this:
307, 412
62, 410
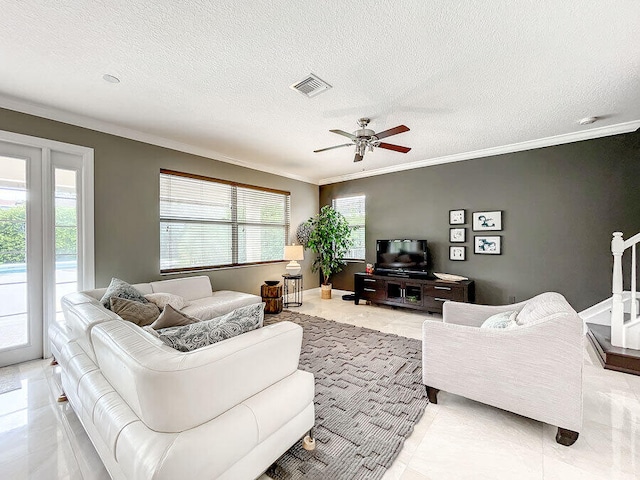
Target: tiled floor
456, 439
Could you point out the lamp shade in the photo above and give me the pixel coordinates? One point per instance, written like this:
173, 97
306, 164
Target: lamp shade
294, 252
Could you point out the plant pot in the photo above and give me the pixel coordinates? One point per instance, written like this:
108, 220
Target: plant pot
325, 291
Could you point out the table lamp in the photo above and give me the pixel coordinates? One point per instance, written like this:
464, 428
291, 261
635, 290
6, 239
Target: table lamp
293, 253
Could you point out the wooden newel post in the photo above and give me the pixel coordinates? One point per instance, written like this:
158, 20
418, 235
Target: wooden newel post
617, 307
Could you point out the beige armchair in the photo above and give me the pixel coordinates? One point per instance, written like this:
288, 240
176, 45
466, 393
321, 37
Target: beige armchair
533, 369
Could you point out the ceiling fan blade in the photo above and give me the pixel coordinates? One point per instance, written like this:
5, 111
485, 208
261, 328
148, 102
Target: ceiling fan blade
336, 146
395, 148
358, 157
392, 131
343, 133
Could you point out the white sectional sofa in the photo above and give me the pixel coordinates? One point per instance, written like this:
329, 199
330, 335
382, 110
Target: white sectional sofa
225, 411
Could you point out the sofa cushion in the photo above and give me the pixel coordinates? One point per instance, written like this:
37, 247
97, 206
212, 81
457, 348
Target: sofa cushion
120, 288
190, 288
136, 312
162, 299
541, 307
503, 320
219, 303
172, 317
201, 334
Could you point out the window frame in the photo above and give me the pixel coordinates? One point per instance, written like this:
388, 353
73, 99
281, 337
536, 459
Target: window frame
355, 227
234, 222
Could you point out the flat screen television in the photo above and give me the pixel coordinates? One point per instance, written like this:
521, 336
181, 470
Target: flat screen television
401, 256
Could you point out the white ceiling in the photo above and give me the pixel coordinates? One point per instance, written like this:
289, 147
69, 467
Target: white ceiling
468, 78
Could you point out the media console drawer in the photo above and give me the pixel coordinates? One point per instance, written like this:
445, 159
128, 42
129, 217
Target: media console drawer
417, 293
447, 292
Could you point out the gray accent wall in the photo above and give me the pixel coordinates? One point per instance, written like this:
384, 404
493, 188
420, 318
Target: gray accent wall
560, 206
127, 241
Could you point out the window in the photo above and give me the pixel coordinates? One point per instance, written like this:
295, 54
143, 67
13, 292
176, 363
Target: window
353, 210
207, 223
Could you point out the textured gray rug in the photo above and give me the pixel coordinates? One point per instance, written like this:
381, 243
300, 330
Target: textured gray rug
369, 396
9, 379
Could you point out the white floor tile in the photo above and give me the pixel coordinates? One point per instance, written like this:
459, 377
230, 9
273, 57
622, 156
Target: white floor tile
456, 439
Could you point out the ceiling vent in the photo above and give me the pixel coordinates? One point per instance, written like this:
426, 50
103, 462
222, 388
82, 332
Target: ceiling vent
311, 86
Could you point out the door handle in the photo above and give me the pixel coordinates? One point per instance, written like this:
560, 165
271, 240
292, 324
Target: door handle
369, 290
440, 299
442, 288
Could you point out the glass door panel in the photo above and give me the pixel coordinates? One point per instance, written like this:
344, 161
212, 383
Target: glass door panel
66, 234
14, 326
21, 323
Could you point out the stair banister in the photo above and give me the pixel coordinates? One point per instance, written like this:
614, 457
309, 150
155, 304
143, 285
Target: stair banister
617, 306
624, 334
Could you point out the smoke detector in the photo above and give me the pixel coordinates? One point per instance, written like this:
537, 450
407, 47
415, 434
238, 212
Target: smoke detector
311, 85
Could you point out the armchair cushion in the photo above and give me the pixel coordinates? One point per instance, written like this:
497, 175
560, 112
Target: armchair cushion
541, 307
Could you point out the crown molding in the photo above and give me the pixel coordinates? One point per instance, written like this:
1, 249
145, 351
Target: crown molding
38, 110
83, 121
488, 152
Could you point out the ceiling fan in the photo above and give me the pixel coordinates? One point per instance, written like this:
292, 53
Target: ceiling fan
365, 139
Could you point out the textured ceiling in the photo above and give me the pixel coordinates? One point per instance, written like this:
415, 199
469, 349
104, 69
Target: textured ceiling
213, 77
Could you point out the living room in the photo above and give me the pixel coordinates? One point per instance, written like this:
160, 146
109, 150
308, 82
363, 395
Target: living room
493, 109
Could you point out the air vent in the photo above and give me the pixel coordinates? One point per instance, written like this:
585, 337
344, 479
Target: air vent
311, 86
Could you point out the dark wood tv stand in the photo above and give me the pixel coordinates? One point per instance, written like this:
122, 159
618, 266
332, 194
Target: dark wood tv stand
416, 292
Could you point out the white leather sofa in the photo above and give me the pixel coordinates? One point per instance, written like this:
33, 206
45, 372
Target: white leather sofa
534, 369
224, 411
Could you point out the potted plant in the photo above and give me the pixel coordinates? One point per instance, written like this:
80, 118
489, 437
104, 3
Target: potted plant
330, 239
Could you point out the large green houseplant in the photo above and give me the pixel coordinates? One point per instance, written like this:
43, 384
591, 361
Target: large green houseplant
330, 239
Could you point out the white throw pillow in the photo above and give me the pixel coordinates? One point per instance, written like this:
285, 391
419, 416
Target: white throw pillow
162, 299
505, 320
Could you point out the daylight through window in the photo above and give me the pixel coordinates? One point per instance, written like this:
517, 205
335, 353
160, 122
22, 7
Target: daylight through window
353, 210
208, 223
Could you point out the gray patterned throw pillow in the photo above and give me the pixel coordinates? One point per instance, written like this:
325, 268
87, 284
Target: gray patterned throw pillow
121, 289
201, 334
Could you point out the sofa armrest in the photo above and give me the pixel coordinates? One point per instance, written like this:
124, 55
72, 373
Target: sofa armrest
172, 391
471, 314
534, 370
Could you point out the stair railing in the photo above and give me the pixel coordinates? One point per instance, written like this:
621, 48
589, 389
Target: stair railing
619, 328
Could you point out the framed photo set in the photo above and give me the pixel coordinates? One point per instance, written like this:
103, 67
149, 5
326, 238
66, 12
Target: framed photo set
457, 253
457, 217
487, 245
457, 235
483, 221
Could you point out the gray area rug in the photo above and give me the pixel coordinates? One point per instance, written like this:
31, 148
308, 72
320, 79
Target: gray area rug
369, 396
9, 379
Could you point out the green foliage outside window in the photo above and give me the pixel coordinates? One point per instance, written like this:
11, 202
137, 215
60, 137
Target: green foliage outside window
13, 237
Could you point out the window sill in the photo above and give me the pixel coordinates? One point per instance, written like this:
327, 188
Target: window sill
179, 271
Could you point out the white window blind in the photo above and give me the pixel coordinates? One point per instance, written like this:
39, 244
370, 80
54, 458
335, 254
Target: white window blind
207, 223
353, 210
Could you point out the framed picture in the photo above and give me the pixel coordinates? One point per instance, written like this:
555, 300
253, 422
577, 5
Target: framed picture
457, 235
457, 253
487, 221
487, 245
456, 217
